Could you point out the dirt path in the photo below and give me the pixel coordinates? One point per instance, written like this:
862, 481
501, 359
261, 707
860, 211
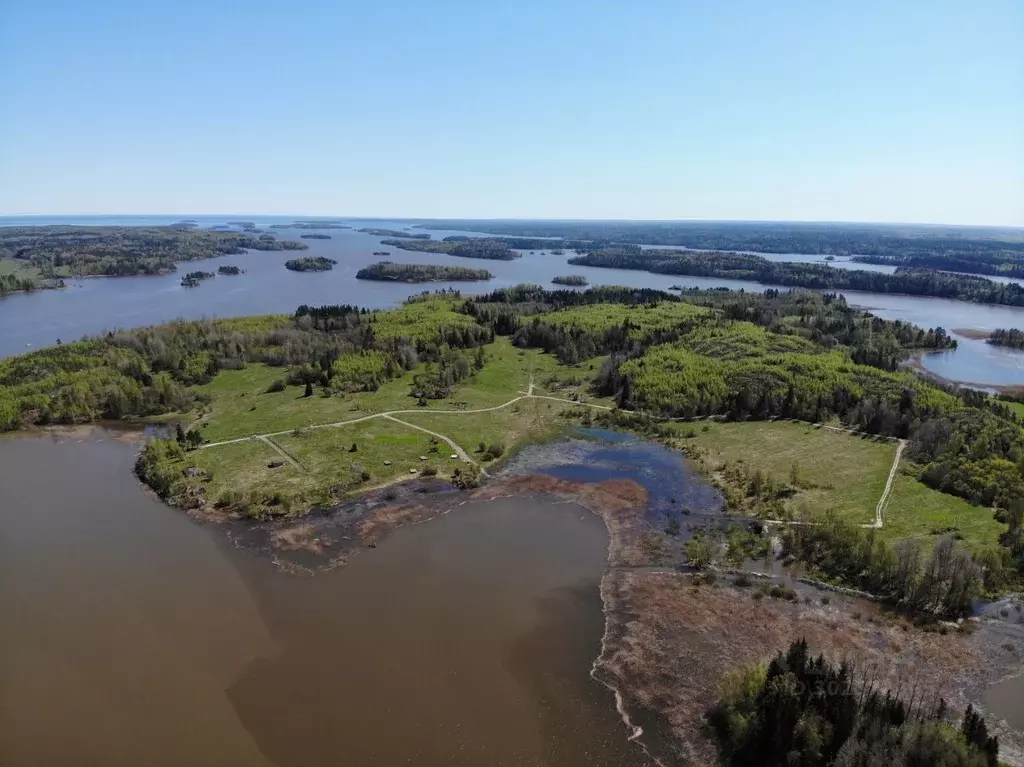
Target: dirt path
281, 452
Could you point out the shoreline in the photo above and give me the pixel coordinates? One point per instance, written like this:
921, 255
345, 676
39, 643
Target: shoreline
915, 363
666, 639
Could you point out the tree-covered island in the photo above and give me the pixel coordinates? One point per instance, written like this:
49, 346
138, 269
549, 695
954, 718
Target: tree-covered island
192, 279
310, 264
487, 248
386, 271
395, 233
574, 280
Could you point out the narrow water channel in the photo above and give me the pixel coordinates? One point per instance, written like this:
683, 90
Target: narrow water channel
133, 635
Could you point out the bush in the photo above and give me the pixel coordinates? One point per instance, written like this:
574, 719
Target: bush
428, 471
276, 386
496, 449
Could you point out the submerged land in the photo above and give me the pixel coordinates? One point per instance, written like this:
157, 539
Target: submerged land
311, 433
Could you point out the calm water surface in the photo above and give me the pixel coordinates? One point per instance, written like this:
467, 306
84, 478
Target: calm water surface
96, 305
132, 635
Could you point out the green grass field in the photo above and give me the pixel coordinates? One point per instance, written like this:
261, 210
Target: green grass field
917, 511
328, 469
846, 474
241, 405
837, 471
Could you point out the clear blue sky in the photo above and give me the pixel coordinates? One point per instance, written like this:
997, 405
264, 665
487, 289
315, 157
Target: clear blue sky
865, 111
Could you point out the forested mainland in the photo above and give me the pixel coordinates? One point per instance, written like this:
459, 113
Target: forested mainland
974, 250
733, 355
64, 251
742, 266
386, 271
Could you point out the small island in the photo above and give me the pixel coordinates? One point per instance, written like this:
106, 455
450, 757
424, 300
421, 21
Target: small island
386, 271
314, 236
243, 224
1009, 337
229, 270
310, 264
382, 253
192, 279
395, 233
576, 280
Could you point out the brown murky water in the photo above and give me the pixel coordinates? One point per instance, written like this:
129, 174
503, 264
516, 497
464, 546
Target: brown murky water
131, 635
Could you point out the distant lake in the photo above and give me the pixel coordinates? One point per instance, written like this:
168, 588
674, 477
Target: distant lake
95, 305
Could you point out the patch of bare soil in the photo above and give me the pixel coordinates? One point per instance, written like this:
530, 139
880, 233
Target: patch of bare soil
668, 643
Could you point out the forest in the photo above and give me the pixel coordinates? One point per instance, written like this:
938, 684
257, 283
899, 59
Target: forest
463, 247
733, 355
387, 271
396, 233
742, 266
1004, 245
114, 251
1011, 337
803, 710
310, 264
1000, 263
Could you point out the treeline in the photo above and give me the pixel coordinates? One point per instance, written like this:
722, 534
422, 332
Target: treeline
310, 264
482, 247
943, 583
1007, 337
123, 251
742, 266
386, 271
804, 710
893, 241
998, 262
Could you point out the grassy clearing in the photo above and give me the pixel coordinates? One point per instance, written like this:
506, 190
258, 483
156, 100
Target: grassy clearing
844, 473
18, 268
240, 473
510, 427
917, 511
1016, 407
835, 471
241, 404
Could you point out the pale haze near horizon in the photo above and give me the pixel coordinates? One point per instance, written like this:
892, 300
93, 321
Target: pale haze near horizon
908, 112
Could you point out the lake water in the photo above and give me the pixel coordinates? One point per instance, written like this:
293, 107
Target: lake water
133, 635
95, 305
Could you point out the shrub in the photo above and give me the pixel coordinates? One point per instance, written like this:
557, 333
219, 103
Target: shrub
276, 386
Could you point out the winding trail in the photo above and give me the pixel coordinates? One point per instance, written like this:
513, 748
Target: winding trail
390, 415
